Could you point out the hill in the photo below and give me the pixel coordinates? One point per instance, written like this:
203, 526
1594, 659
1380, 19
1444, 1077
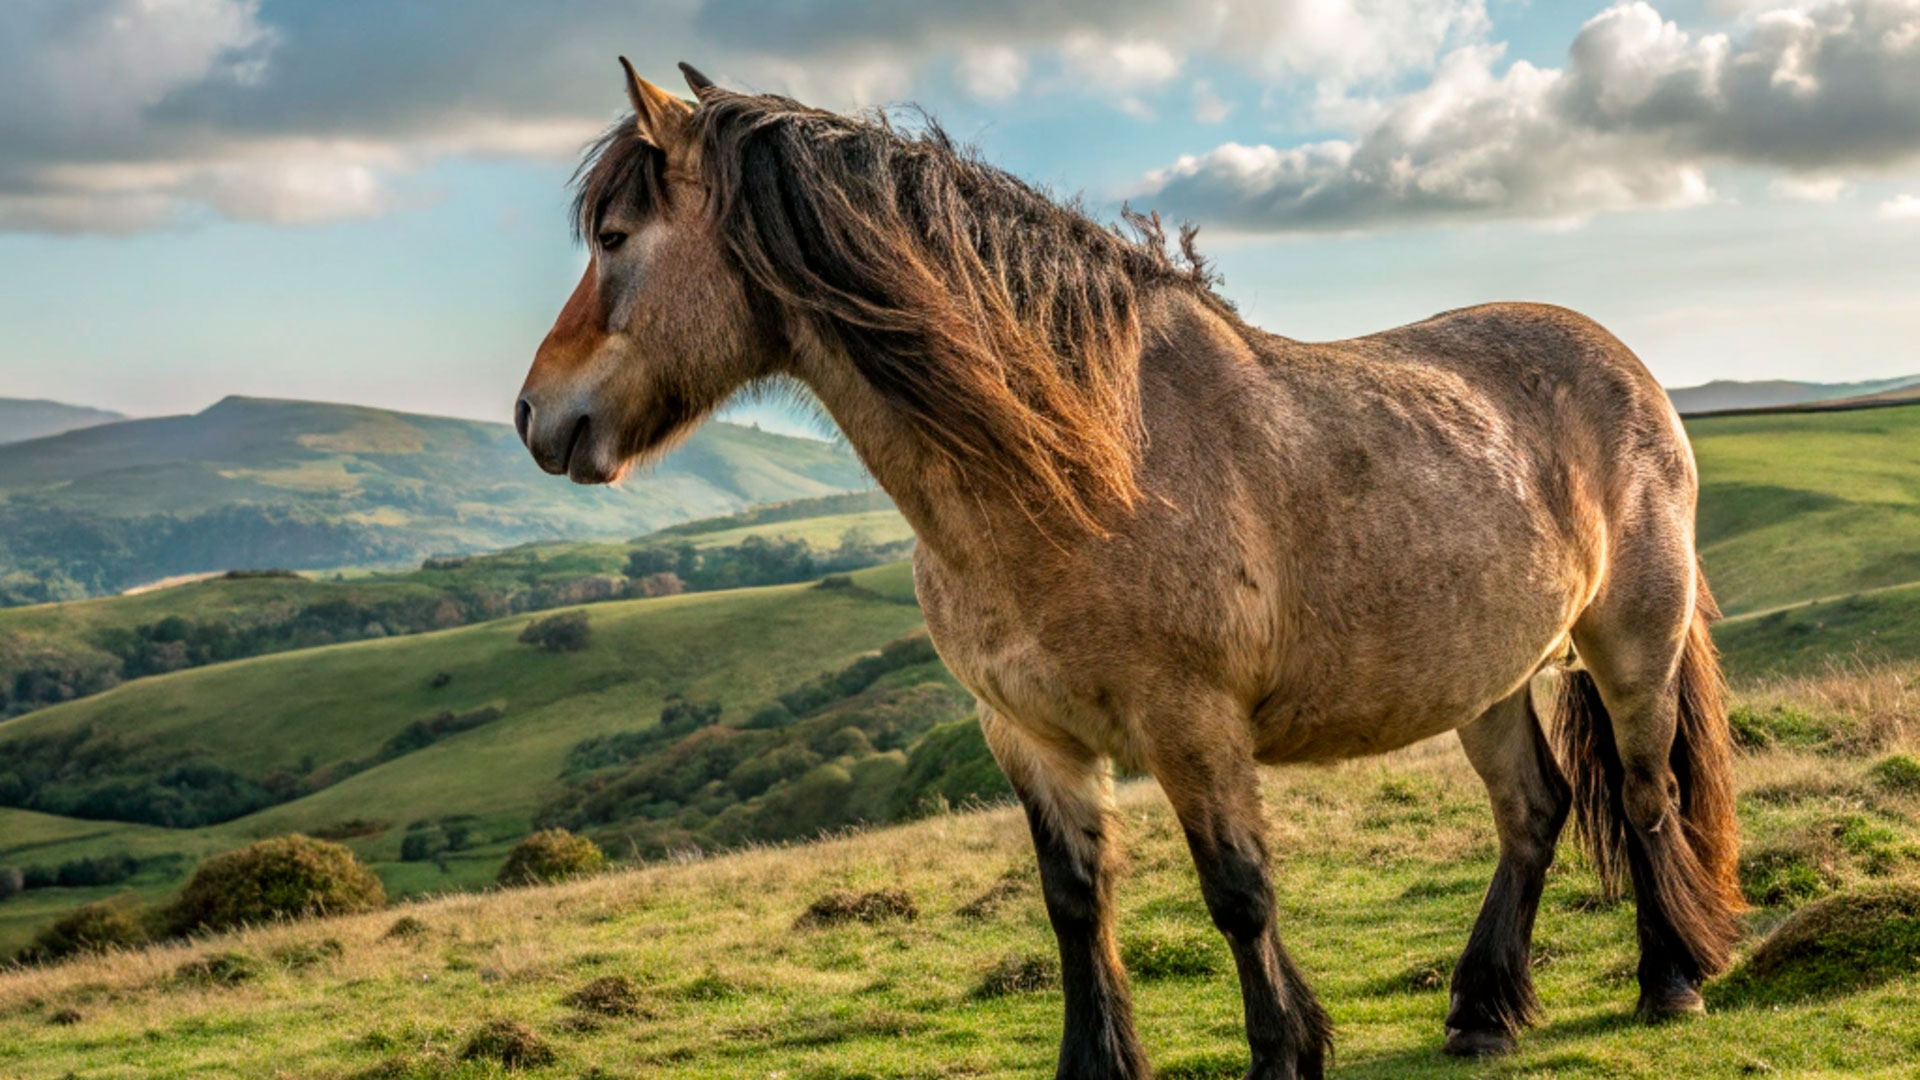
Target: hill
1723, 394
50, 653
252, 483
704, 968
475, 726
22, 418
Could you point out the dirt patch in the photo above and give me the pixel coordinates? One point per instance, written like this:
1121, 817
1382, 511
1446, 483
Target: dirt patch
508, 1042
840, 907
1845, 943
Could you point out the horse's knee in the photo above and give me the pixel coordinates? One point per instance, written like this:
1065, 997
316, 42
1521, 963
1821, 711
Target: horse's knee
1233, 881
1650, 795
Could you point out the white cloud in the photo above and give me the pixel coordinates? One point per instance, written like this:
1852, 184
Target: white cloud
1901, 208
1117, 65
1639, 113
1819, 189
992, 73
1209, 107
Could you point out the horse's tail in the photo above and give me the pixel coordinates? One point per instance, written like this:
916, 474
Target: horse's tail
1696, 882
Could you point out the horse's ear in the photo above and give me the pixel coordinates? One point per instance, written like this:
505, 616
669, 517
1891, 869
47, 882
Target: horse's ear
662, 118
701, 86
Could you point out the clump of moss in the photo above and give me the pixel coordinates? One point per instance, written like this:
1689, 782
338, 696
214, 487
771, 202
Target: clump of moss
508, 1042
90, 928
1149, 957
1422, 977
1896, 774
218, 969
1785, 875
287, 877
1780, 726
551, 855
1018, 973
840, 906
610, 995
1842, 944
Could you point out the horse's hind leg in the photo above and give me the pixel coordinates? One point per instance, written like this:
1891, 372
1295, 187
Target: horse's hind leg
1492, 984
1068, 795
1209, 775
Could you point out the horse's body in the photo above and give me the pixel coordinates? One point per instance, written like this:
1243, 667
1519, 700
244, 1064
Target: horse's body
1152, 534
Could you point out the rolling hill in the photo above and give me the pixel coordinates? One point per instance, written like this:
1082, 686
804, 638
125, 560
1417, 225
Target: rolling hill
22, 419
254, 483
1724, 394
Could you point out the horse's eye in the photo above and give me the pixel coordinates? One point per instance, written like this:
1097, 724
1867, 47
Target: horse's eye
611, 239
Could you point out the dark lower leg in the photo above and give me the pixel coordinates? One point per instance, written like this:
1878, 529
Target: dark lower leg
1098, 1040
1670, 977
1492, 995
1287, 1030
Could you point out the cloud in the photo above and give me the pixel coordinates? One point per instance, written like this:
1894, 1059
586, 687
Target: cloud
1634, 120
117, 115
1901, 208
1209, 107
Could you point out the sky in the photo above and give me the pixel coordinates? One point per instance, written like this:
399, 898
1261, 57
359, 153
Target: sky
365, 200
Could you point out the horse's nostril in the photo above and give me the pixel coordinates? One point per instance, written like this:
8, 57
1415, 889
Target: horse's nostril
522, 417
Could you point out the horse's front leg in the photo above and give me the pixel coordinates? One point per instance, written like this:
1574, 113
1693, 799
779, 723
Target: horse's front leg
1204, 761
1067, 791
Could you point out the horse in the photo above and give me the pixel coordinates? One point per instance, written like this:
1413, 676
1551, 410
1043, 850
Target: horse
1153, 537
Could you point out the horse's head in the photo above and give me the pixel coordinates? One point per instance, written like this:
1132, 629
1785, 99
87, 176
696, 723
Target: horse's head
658, 332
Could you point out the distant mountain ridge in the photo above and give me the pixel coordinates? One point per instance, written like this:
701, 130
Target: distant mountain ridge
255, 482
24, 418
1721, 395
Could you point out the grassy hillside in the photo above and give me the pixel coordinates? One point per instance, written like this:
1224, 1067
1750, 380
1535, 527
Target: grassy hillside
1796, 507
22, 419
299, 721
254, 483
1380, 867
55, 652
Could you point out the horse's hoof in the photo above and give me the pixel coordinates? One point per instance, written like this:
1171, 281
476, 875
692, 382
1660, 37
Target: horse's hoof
1478, 1043
1669, 1005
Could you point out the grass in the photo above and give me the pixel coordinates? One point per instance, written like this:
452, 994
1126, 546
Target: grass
336, 703
708, 968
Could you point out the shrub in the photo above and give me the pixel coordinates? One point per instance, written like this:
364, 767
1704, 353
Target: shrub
566, 632
422, 845
551, 855
285, 877
406, 927
11, 881
89, 928
838, 907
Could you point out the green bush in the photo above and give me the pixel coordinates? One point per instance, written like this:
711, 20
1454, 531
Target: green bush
90, 928
285, 877
551, 855
568, 631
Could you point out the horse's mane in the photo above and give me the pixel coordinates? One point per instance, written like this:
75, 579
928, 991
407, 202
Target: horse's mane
1005, 324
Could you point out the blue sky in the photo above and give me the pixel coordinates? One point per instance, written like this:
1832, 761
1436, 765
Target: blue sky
365, 201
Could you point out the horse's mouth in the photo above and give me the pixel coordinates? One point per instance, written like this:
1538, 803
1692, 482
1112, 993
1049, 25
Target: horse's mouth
579, 463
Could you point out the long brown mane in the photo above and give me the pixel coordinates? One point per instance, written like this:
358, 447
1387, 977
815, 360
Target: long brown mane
1003, 323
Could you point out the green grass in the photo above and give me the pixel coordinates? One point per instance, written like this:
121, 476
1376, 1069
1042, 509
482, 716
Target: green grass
1795, 507
1379, 869
337, 703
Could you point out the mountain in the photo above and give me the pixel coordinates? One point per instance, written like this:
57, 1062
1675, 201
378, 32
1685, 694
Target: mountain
22, 419
252, 483
1723, 394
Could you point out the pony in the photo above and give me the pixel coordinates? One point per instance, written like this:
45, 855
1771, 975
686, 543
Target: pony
1154, 537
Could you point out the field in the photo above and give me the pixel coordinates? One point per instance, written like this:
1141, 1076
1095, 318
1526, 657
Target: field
1380, 866
734, 648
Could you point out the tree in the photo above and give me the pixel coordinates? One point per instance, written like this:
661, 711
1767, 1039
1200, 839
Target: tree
568, 631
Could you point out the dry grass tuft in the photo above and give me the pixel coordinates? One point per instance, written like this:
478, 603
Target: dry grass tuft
508, 1042
1018, 973
406, 928
840, 907
1011, 885
1841, 944
609, 995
